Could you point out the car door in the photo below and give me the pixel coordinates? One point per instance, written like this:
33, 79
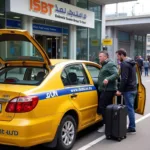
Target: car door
82, 94
141, 95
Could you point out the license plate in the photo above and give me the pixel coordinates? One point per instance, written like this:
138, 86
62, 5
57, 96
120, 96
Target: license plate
0, 108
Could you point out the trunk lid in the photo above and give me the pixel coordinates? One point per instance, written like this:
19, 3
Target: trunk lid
18, 47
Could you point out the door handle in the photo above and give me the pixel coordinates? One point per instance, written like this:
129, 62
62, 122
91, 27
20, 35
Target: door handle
74, 95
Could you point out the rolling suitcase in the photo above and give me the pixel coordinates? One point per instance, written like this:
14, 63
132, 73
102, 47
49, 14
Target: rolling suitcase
116, 121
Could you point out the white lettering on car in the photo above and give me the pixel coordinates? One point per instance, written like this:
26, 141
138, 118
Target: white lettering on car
51, 94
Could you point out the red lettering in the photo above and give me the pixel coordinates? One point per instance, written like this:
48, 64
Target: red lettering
31, 4
50, 8
39, 6
44, 8
36, 4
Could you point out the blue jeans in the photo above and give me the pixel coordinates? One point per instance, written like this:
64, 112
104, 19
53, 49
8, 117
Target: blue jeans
129, 98
146, 71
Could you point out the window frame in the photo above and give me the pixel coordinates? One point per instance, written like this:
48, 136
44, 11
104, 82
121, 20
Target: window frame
83, 71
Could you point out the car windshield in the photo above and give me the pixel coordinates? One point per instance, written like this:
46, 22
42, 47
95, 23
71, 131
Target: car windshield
17, 47
23, 75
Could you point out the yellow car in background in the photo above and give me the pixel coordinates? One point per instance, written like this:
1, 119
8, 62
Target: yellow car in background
46, 101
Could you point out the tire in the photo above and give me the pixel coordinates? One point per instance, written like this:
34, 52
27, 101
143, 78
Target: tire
63, 142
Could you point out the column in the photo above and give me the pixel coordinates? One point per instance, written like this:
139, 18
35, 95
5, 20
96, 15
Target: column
115, 43
132, 46
72, 42
112, 33
72, 38
103, 23
27, 49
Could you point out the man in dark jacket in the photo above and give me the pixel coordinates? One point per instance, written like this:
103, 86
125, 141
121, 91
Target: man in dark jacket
140, 63
128, 86
106, 84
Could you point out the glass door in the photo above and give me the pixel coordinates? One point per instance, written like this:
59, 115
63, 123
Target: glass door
53, 47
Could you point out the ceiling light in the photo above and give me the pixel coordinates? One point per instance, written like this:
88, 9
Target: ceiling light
16, 17
49, 38
1, 14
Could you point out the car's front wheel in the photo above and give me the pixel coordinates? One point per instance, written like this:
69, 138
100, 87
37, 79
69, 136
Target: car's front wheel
67, 133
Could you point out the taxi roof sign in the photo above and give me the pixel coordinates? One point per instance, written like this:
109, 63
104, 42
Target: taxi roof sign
107, 42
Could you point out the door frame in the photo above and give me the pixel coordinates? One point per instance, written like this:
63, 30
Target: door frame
43, 33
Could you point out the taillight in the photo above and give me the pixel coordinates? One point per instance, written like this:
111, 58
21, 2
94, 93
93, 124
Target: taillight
22, 104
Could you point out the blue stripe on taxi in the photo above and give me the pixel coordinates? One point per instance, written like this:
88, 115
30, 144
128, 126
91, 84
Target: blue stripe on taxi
65, 91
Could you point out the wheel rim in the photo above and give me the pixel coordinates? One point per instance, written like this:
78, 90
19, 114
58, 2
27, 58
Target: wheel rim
68, 133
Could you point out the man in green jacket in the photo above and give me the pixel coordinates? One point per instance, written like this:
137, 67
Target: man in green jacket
107, 84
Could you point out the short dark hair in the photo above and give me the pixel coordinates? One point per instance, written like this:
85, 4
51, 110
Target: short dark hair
105, 53
121, 51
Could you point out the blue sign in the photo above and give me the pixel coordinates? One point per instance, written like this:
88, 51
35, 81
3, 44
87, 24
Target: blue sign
13, 23
47, 28
17, 24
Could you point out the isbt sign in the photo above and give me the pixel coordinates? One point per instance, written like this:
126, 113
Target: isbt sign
59, 11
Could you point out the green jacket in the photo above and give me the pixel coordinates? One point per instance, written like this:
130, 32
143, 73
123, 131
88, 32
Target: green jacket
108, 71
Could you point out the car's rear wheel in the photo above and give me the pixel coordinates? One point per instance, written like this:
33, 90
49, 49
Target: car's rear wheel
67, 133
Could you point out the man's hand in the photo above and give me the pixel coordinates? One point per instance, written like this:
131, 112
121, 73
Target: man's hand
118, 93
105, 82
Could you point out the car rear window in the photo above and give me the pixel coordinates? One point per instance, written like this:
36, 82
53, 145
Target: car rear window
23, 75
17, 47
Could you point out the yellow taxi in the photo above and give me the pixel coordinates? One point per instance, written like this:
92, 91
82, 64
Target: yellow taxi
46, 101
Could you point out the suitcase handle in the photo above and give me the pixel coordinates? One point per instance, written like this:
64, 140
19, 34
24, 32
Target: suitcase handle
121, 99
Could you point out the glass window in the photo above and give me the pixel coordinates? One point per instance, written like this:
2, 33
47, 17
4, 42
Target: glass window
74, 75
65, 1
123, 36
53, 23
94, 71
22, 75
148, 39
82, 4
2, 8
95, 42
18, 47
38, 20
2, 23
82, 43
96, 9
65, 46
13, 16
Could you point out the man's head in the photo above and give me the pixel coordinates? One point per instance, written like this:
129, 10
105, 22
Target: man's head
121, 54
103, 55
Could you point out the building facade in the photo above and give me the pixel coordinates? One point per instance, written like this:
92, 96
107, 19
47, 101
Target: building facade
65, 34
148, 45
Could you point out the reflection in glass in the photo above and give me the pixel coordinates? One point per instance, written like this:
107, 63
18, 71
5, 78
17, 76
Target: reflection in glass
95, 42
82, 43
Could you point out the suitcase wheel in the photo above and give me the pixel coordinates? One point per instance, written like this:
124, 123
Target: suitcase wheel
119, 139
108, 137
125, 137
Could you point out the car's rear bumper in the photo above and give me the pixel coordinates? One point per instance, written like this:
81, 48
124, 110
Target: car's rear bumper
26, 133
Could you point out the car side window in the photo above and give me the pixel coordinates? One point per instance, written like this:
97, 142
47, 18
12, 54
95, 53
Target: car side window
64, 78
74, 75
94, 71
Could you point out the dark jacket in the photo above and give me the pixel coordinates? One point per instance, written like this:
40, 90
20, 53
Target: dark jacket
128, 76
108, 71
140, 62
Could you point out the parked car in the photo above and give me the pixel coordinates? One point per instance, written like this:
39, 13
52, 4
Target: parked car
46, 101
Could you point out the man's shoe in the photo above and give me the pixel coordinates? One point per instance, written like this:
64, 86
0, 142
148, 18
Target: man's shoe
101, 129
131, 131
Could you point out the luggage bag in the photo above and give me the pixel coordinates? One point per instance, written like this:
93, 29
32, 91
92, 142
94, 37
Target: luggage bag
116, 121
